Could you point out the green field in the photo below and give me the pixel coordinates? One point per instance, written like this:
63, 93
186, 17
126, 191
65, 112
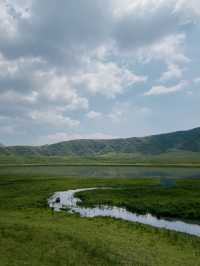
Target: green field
31, 235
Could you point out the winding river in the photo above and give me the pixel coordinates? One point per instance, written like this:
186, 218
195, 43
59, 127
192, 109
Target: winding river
66, 200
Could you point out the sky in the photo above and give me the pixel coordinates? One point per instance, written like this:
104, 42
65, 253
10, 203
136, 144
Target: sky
97, 69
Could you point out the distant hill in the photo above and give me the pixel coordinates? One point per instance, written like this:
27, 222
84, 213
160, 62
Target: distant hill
182, 141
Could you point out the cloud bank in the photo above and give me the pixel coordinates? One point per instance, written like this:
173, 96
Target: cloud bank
61, 61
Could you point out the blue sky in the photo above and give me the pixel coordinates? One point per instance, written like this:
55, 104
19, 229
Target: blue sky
97, 69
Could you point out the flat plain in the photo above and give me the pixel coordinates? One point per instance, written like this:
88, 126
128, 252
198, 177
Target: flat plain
31, 235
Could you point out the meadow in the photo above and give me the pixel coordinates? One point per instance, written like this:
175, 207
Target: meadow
31, 235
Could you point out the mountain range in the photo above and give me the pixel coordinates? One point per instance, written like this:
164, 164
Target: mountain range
181, 141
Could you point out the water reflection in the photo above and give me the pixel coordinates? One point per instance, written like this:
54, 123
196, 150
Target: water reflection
168, 183
102, 171
67, 200
132, 172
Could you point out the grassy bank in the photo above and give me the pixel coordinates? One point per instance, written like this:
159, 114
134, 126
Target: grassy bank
181, 201
31, 235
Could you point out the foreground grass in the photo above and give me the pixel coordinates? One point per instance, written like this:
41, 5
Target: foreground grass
31, 235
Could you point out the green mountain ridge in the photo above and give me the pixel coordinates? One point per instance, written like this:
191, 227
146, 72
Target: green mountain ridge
181, 141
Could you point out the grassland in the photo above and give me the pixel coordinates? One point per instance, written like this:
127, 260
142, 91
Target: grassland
31, 235
178, 159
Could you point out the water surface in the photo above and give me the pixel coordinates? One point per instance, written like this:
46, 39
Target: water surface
67, 200
102, 171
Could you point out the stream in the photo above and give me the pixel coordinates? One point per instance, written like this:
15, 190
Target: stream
66, 200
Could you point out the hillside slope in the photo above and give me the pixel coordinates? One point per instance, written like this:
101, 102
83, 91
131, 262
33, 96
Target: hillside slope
152, 145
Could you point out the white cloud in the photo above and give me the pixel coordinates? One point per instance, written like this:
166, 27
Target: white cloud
12, 97
59, 89
7, 67
108, 79
93, 115
173, 72
170, 49
127, 7
190, 9
53, 118
139, 7
160, 90
15, 68
7, 22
